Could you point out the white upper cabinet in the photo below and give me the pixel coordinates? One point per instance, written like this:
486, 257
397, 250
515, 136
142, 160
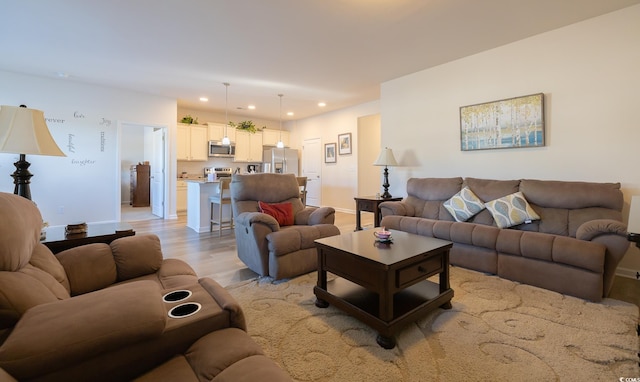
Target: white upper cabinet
270, 137
216, 132
248, 147
192, 142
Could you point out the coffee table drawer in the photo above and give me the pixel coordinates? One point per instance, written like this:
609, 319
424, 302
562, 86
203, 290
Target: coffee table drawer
352, 269
419, 271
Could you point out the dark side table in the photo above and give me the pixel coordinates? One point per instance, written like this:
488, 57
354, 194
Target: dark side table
370, 204
57, 240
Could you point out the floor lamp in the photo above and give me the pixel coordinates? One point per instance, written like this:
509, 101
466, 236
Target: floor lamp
24, 131
385, 159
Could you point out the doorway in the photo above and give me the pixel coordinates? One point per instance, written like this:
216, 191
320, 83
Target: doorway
140, 143
311, 168
369, 145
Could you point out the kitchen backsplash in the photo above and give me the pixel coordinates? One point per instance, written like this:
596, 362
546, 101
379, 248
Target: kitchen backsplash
197, 168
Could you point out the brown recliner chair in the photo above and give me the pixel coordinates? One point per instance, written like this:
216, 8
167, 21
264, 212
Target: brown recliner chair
97, 312
264, 245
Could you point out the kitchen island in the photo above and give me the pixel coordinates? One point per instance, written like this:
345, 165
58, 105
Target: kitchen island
198, 205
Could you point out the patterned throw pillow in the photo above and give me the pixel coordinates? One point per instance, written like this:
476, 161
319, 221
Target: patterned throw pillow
463, 205
511, 210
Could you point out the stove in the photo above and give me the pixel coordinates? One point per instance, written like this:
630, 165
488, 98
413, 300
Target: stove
223, 172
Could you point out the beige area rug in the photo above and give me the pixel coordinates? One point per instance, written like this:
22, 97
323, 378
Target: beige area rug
498, 330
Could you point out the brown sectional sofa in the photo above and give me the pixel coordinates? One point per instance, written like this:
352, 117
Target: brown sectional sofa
574, 248
97, 312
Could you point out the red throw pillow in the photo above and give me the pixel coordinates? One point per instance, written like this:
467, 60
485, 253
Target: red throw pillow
282, 212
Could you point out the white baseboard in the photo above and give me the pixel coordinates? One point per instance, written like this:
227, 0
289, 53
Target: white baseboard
626, 272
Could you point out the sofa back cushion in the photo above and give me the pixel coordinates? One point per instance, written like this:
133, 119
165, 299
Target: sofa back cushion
20, 226
564, 206
488, 190
427, 196
136, 256
89, 267
247, 190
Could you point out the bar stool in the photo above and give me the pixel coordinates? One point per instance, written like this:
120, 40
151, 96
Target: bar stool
217, 201
302, 183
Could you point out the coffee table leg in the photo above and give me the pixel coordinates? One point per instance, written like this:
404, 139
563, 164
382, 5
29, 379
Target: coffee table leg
321, 303
322, 279
386, 342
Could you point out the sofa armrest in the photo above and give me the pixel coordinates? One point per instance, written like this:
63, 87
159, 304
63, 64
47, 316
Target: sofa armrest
59, 334
322, 215
613, 235
226, 301
593, 228
397, 208
247, 219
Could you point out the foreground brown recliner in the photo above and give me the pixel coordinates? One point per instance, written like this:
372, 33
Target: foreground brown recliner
263, 245
96, 312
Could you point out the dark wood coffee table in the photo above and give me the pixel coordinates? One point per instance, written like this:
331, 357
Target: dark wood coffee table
383, 285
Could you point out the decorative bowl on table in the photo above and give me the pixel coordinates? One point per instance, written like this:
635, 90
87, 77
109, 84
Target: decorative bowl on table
383, 236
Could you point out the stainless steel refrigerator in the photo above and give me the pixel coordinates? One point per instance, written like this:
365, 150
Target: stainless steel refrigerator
282, 161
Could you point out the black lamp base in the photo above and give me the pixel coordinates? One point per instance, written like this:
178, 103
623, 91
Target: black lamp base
22, 177
385, 185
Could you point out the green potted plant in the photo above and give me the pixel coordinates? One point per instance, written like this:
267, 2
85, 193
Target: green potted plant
188, 119
248, 126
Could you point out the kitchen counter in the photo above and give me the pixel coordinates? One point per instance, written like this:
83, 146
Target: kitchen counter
198, 206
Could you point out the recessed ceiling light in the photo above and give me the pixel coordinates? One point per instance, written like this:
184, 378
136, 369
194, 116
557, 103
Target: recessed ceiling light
322, 104
289, 113
252, 107
204, 99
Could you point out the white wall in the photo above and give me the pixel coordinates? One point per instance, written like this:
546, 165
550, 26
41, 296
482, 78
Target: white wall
83, 119
339, 180
589, 73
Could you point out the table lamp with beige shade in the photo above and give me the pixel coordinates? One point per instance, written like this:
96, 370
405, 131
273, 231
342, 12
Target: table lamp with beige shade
386, 159
24, 131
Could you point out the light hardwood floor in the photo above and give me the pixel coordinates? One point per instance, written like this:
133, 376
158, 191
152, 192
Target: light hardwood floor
215, 257
209, 255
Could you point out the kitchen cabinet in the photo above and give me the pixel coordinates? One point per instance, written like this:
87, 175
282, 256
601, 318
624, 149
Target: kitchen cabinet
248, 147
270, 137
216, 132
181, 196
140, 186
192, 142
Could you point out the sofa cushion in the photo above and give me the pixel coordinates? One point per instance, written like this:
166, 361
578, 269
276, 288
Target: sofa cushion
464, 205
282, 212
89, 267
137, 255
511, 210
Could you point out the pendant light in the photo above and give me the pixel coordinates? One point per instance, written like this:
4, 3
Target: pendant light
280, 144
225, 140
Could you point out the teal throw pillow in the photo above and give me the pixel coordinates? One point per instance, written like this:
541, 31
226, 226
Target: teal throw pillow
463, 205
511, 210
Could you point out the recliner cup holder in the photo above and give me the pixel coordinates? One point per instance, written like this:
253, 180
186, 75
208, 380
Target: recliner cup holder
184, 310
176, 295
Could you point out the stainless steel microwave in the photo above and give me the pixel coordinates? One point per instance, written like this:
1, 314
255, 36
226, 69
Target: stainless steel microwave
217, 149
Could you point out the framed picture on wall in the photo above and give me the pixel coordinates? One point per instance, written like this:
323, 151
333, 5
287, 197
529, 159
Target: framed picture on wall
508, 123
330, 153
344, 142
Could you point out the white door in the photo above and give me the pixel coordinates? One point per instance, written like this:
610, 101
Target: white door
311, 167
157, 173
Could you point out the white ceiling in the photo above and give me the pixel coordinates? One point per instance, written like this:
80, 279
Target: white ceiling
336, 51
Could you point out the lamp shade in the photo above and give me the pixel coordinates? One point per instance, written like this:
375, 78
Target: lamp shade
24, 131
386, 158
